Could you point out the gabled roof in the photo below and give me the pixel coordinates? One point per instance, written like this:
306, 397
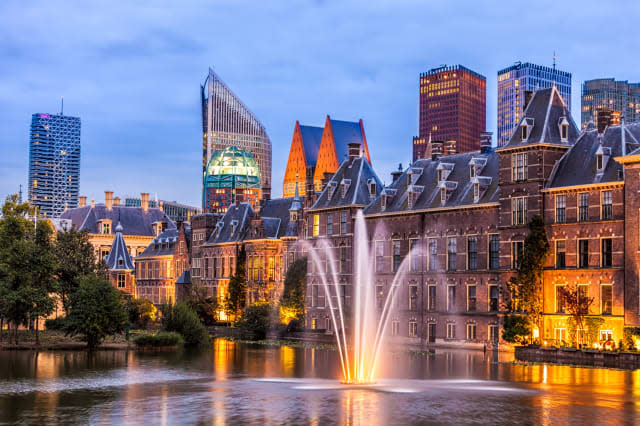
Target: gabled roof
311, 138
119, 258
162, 245
185, 278
234, 225
275, 218
354, 174
543, 114
345, 132
134, 220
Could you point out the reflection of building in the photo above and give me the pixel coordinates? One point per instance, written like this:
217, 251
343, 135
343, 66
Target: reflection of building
608, 93
232, 176
54, 163
516, 84
316, 151
120, 265
176, 211
226, 121
452, 106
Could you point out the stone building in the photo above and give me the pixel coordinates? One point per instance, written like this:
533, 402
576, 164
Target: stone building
120, 264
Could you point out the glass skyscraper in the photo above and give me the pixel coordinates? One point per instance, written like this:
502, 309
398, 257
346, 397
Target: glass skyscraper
606, 93
516, 84
54, 163
226, 121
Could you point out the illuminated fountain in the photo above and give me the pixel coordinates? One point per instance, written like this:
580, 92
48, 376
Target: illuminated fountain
359, 352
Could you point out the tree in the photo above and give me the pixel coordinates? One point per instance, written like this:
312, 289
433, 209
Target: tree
255, 321
95, 311
295, 287
205, 307
578, 307
525, 287
515, 328
42, 283
182, 319
237, 297
141, 312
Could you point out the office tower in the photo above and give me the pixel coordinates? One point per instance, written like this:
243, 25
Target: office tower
54, 163
516, 85
452, 107
619, 98
226, 121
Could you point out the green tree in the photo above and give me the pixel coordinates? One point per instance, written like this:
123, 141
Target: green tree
184, 320
206, 307
295, 287
237, 297
141, 313
95, 311
255, 321
515, 328
578, 308
525, 287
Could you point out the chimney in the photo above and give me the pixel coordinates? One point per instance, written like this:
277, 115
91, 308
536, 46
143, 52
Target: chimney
528, 94
437, 148
354, 150
485, 142
93, 203
395, 175
144, 201
326, 179
160, 204
82, 201
108, 199
450, 147
116, 201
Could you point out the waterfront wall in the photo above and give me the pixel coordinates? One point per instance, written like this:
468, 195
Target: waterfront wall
586, 357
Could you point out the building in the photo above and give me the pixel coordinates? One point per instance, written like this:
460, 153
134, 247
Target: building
226, 122
54, 163
452, 107
616, 96
202, 226
516, 85
317, 151
120, 264
232, 176
140, 224
176, 211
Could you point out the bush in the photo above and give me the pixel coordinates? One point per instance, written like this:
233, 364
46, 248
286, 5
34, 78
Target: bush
516, 328
255, 322
184, 320
55, 323
162, 338
141, 313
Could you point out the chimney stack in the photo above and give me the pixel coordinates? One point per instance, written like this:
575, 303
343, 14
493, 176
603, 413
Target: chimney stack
450, 147
93, 203
160, 204
354, 150
485, 142
395, 175
528, 94
144, 201
108, 199
325, 180
82, 201
437, 148
116, 201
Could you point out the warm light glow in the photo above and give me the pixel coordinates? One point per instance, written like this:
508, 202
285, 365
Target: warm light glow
287, 315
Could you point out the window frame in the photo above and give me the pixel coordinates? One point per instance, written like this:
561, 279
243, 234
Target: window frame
563, 264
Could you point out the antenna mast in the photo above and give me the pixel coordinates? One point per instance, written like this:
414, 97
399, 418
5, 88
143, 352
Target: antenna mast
61, 105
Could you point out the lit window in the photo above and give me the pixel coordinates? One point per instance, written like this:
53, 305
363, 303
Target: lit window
316, 225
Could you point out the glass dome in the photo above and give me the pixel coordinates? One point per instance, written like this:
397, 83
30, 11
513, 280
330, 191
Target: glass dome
232, 167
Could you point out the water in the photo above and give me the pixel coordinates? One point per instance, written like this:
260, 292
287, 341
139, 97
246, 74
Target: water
252, 384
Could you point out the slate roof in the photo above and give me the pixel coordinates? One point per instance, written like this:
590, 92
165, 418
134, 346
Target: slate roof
162, 245
119, 258
345, 132
427, 188
275, 217
224, 231
544, 111
355, 173
134, 220
311, 138
579, 165
185, 278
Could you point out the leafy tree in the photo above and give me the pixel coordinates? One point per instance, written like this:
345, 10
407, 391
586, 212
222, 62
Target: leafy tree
525, 287
577, 307
516, 328
141, 312
295, 287
255, 321
237, 297
95, 311
184, 320
205, 307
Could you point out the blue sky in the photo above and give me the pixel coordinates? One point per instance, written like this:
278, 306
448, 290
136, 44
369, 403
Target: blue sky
132, 72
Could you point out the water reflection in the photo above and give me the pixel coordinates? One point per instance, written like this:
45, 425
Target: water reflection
219, 387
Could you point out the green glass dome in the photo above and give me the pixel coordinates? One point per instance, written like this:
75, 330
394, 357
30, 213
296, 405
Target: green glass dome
233, 161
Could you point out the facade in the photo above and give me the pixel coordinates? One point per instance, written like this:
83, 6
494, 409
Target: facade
177, 212
232, 176
202, 226
54, 163
452, 106
608, 94
516, 85
226, 121
120, 265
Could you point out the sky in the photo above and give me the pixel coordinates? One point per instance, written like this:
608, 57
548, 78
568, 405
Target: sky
132, 71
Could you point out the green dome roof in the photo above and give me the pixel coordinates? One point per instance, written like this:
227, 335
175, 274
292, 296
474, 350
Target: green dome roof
232, 164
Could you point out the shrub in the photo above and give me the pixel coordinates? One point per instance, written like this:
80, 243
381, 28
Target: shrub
141, 313
516, 328
162, 338
55, 323
255, 321
182, 319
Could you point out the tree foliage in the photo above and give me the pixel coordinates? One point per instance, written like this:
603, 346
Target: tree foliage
237, 296
516, 328
206, 307
295, 287
255, 321
184, 320
578, 308
141, 313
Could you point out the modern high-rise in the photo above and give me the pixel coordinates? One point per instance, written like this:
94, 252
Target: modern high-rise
54, 163
227, 121
612, 95
516, 85
453, 106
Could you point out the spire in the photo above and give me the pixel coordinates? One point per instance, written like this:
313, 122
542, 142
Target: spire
119, 257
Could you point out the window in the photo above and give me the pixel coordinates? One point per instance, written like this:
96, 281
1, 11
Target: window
607, 299
583, 253
443, 196
316, 225
397, 257
560, 334
451, 331
600, 161
206, 267
524, 134
272, 268
583, 206
471, 332
564, 132
561, 207
343, 223
518, 210
329, 224
471, 298
472, 253
415, 255
583, 294
451, 253
431, 302
106, 228
476, 192
413, 297
494, 251
314, 323
493, 333
433, 254
606, 205
518, 167
516, 252
561, 252
122, 279
343, 295
606, 335
472, 171
431, 330
606, 254
451, 298
559, 299
493, 298
395, 327
379, 296
413, 329
314, 295
343, 259
379, 256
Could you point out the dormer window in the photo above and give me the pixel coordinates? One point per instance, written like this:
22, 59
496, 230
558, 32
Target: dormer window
234, 225
106, 228
600, 162
602, 156
385, 196
332, 188
563, 124
525, 128
440, 176
472, 171
345, 184
413, 193
372, 187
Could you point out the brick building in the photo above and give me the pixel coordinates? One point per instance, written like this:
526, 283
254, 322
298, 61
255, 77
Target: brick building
120, 265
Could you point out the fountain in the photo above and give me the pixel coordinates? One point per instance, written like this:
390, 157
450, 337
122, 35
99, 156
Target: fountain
359, 353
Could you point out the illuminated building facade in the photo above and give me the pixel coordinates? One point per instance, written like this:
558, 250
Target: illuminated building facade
452, 106
227, 121
606, 93
54, 163
232, 176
